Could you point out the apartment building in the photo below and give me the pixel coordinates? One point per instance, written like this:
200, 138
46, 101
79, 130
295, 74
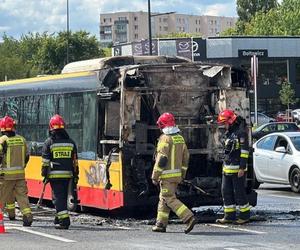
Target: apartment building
124, 27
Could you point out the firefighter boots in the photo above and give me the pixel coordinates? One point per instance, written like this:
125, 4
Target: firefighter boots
190, 225
159, 228
225, 221
56, 221
241, 222
27, 220
63, 223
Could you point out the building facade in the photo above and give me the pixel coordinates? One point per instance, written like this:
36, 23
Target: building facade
124, 27
278, 60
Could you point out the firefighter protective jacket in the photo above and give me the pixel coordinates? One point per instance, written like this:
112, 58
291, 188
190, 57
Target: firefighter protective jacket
236, 148
172, 158
13, 152
59, 158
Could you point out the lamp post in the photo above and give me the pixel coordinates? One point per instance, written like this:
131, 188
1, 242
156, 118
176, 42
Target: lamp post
67, 31
149, 24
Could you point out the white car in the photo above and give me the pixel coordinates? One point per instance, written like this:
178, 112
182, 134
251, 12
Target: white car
261, 118
276, 159
296, 115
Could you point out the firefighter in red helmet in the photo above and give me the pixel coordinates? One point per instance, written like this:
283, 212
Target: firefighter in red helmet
234, 168
14, 157
169, 170
60, 168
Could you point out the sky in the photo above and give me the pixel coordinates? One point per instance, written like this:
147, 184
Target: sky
19, 17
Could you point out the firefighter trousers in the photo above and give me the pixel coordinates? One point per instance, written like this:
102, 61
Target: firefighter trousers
10, 206
168, 201
234, 194
17, 188
59, 198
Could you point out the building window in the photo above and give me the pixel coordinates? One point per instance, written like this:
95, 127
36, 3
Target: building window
136, 36
104, 20
136, 27
211, 22
160, 19
159, 28
135, 18
110, 19
121, 18
165, 19
196, 21
196, 30
165, 28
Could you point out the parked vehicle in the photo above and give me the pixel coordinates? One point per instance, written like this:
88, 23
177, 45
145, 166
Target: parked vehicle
276, 159
284, 116
272, 127
261, 118
296, 115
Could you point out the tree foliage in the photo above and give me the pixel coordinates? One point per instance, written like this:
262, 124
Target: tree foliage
283, 20
44, 53
280, 20
287, 94
246, 9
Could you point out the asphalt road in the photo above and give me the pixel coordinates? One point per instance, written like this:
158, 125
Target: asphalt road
276, 226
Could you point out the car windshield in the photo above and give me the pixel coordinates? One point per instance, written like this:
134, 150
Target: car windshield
296, 141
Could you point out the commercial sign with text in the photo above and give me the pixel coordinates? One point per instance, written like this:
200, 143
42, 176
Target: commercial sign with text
252, 52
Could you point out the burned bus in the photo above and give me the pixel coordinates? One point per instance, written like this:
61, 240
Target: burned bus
111, 105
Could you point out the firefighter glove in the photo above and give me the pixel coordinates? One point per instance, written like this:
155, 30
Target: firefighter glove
45, 171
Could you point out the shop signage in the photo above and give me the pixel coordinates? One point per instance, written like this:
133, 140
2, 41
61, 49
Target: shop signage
252, 52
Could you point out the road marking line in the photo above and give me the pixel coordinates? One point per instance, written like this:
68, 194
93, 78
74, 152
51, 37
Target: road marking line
282, 196
124, 228
238, 229
17, 227
231, 248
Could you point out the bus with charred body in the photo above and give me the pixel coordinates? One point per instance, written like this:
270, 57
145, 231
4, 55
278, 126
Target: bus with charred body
111, 105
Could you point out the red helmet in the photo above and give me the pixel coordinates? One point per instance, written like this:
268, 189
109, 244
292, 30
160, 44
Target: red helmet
7, 123
166, 120
227, 116
56, 122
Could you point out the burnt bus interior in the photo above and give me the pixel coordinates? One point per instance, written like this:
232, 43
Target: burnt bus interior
133, 97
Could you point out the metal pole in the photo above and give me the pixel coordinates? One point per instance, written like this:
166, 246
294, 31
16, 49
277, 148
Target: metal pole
255, 62
149, 24
67, 31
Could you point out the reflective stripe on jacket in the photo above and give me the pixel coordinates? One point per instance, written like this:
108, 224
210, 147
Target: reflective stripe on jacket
13, 150
173, 148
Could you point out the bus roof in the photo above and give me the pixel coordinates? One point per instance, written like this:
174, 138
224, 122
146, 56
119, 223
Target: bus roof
117, 61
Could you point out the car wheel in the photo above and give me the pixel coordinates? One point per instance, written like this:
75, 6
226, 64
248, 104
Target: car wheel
295, 180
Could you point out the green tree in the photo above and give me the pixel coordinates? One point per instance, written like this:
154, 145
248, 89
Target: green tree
287, 94
247, 9
44, 53
283, 20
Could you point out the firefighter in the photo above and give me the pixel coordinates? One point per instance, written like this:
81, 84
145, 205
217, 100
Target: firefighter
59, 167
169, 170
13, 154
234, 168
